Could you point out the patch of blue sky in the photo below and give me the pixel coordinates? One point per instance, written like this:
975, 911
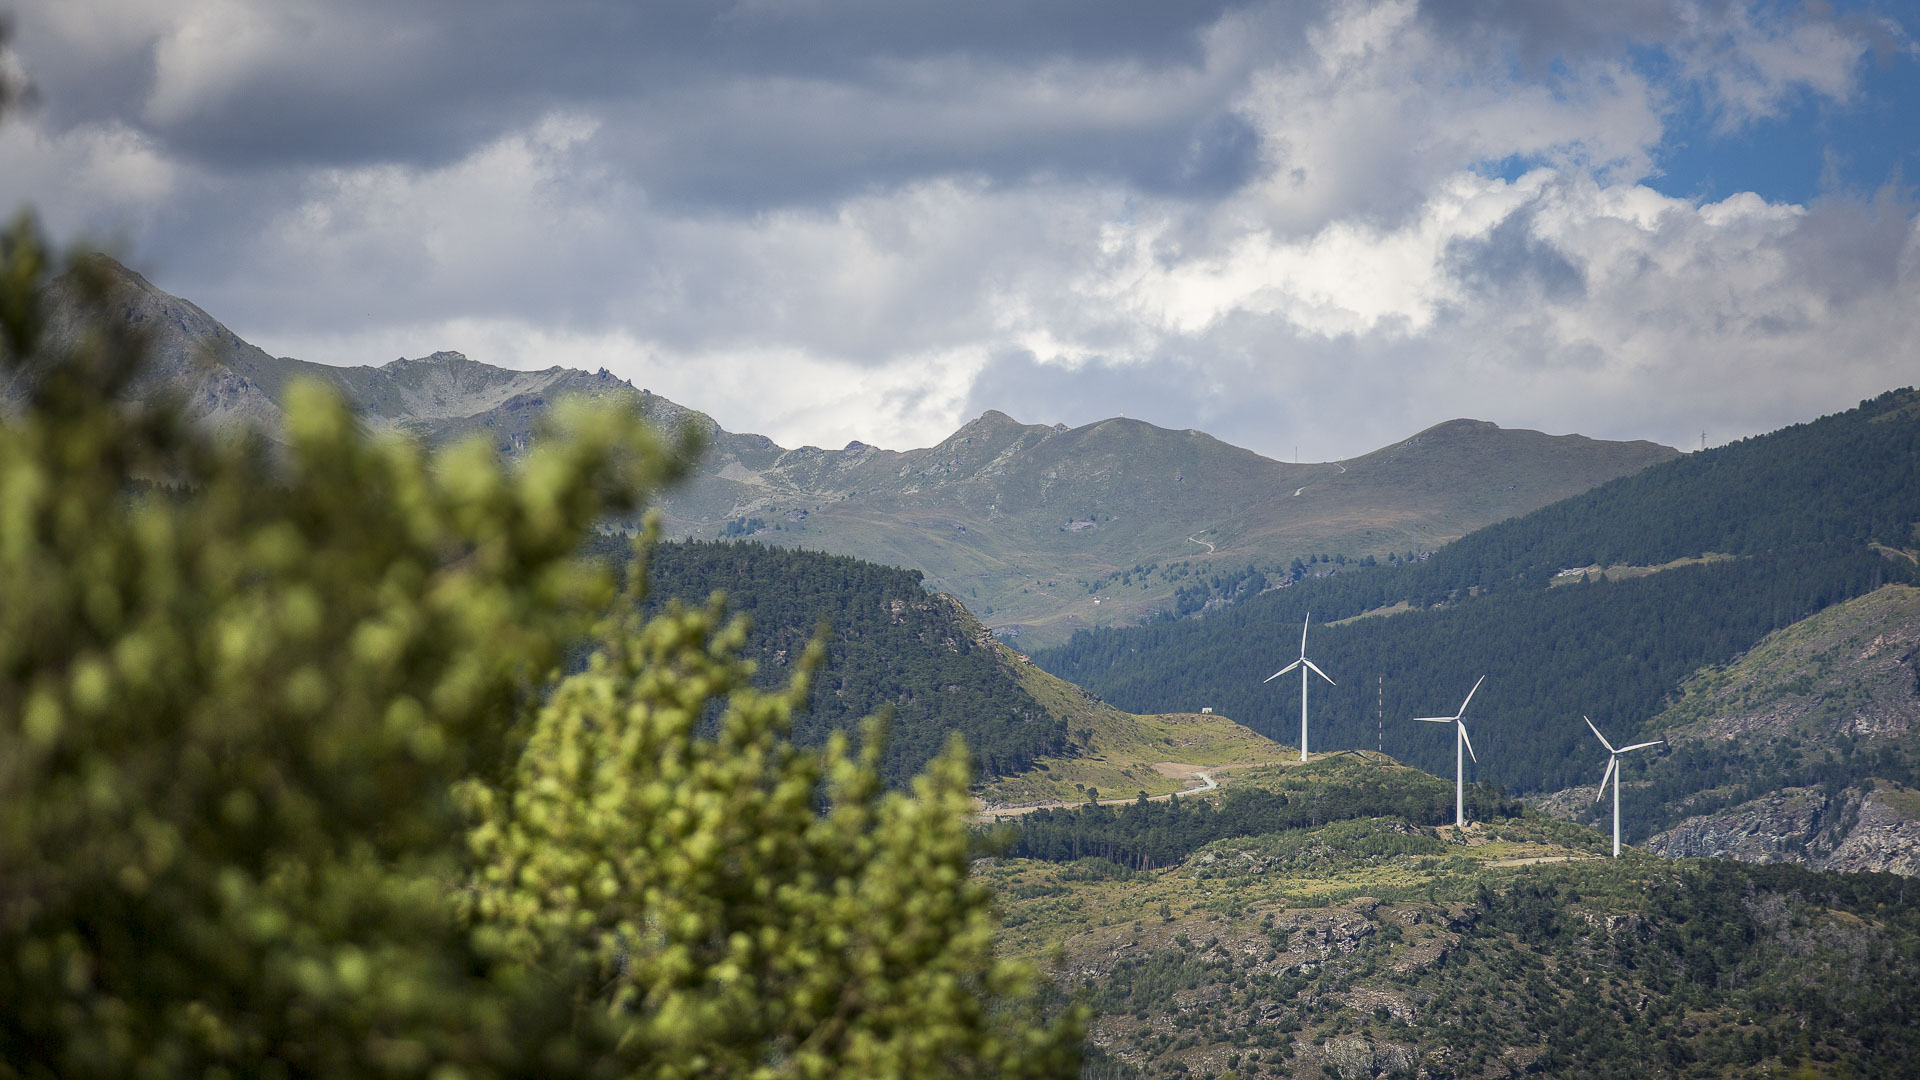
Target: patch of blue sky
1813, 147
1509, 168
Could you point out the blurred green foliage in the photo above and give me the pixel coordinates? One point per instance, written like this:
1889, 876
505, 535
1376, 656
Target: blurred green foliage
289, 785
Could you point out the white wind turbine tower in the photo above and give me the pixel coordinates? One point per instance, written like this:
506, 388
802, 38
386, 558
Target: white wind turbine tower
1613, 773
1304, 665
1460, 743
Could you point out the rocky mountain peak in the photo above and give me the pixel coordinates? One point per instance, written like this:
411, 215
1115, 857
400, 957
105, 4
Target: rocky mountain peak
442, 358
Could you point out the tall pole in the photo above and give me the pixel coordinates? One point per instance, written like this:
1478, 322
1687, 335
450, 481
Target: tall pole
1616, 806
1303, 709
1459, 775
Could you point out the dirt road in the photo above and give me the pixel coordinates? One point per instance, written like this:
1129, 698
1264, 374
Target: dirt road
1164, 768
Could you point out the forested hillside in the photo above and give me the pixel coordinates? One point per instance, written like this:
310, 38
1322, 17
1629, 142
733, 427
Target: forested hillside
891, 645
1799, 511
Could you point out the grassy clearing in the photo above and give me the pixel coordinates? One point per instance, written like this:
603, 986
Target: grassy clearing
1902, 800
1623, 572
1118, 753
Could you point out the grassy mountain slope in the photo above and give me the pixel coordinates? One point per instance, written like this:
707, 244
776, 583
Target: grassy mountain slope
1373, 945
1040, 530
1802, 519
1114, 753
1046, 529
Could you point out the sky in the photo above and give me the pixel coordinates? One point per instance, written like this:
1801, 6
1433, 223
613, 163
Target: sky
1311, 229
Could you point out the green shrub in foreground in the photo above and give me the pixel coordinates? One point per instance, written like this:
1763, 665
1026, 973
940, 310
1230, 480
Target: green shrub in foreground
287, 789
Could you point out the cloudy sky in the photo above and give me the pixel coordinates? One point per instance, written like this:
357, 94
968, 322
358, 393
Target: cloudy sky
1321, 225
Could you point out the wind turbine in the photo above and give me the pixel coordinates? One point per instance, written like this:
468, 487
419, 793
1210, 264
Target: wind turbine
1460, 742
1613, 773
1304, 665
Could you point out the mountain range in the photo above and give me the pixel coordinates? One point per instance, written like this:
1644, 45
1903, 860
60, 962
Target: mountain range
1040, 530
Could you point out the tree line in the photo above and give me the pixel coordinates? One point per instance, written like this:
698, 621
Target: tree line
1611, 650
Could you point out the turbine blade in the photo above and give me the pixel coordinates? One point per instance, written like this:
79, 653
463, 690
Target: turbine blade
1303, 635
1606, 776
1639, 745
1317, 671
1469, 742
1281, 672
1602, 738
1470, 693
1435, 719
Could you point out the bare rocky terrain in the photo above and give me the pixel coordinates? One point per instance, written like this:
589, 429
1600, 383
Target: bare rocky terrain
1874, 826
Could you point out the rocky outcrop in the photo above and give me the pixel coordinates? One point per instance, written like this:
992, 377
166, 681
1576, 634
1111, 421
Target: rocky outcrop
1362, 1059
1874, 827
1886, 838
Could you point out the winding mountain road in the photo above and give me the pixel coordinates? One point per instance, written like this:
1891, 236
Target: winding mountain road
1203, 775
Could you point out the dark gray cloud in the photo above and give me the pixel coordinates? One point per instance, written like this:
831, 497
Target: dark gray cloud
1536, 32
702, 94
1509, 259
1849, 249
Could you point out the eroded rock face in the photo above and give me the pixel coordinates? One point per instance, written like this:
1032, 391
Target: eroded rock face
1773, 828
1362, 1059
1886, 838
1873, 826
1842, 685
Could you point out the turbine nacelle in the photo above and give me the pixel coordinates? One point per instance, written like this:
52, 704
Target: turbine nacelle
1455, 719
1613, 774
1303, 661
1304, 665
1461, 741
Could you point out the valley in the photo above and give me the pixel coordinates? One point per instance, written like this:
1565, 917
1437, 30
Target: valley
1706, 556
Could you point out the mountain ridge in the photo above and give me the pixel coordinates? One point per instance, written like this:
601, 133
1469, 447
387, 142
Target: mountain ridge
1039, 529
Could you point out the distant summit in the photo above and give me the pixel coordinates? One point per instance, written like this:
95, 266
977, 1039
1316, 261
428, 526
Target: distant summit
1040, 529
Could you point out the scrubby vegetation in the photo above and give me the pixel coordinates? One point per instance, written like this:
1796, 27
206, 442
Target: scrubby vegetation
1374, 946
1143, 835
